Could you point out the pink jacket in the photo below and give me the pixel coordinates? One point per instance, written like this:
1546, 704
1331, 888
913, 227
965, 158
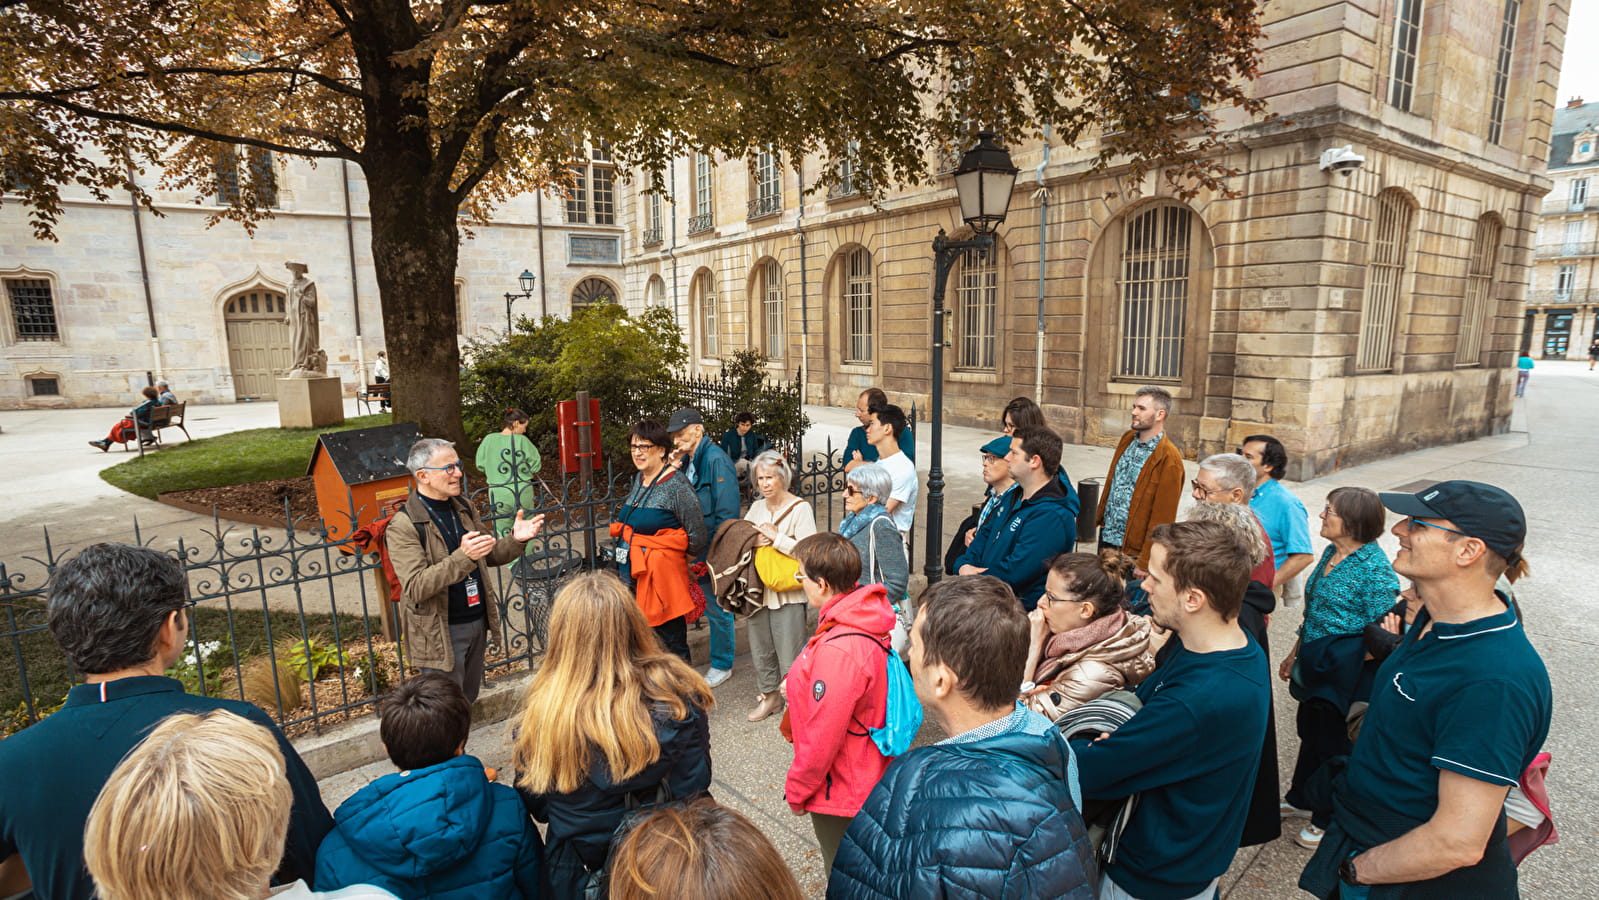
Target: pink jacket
837, 689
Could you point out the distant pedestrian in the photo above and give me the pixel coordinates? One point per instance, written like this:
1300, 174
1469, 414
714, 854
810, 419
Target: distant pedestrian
1035, 525
612, 722
1593, 353
715, 482
1459, 710
1281, 512
509, 462
742, 444
992, 810
701, 850
1524, 367
1145, 481
380, 375
858, 450
1191, 752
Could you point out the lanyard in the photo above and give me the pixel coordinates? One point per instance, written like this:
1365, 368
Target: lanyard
458, 531
649, 489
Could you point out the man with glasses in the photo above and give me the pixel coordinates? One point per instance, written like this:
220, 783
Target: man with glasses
441, 551
1459, 710
996, 474
1229, 478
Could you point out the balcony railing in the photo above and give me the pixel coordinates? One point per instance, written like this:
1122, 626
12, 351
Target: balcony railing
761, 207
1565, 206
701, 223
1567, 250
849, 187
1560, 298
651, 237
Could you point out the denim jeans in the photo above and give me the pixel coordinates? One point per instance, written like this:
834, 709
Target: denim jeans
724, 641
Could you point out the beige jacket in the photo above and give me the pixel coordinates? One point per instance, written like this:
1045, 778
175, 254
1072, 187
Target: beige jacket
1122, 660
426, 570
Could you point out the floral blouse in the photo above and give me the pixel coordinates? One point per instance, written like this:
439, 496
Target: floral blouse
1343, 599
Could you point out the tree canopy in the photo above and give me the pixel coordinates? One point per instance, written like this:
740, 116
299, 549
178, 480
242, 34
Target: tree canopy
452, 104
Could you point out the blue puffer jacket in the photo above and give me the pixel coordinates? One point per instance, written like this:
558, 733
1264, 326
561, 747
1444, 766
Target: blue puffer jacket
445, 832
990, 819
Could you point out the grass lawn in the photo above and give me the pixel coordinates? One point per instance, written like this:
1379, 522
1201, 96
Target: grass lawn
239, 457
49, 680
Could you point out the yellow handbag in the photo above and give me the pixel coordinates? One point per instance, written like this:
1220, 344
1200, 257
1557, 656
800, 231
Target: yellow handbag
777, 569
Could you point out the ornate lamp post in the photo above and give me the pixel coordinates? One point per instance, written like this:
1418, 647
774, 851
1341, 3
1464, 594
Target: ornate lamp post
526, 280
983, 182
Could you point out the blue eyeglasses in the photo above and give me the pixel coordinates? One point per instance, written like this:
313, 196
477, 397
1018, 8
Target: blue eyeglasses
1415, 521
452, 467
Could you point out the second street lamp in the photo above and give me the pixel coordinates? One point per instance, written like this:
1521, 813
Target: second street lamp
984, 181
526, 280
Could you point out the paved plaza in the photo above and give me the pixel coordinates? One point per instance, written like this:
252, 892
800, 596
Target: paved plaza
53, 482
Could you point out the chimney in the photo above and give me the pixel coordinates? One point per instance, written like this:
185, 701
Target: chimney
1574, 103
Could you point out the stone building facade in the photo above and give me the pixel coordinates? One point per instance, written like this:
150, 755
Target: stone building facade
1355, 316
1562, 318
91, 318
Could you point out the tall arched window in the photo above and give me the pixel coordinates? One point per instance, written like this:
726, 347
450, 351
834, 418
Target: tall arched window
857, 278
772, 308
710, 333
1477, 310
977, 309
1155, 266
1385, 271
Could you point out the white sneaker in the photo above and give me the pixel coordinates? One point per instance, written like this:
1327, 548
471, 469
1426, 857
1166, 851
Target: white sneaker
714, 677
1289, 811
1309, 837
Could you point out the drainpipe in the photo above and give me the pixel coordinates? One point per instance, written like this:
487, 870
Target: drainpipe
1042, 194
355, 278
805, 313
544, 282
144, 270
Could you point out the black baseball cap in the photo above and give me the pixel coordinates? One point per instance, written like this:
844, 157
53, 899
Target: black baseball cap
683, 418
1482, 511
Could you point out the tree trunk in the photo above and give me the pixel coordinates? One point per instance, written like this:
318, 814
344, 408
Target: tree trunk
414, 246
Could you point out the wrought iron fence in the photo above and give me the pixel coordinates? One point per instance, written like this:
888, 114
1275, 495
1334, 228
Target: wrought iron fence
302, 624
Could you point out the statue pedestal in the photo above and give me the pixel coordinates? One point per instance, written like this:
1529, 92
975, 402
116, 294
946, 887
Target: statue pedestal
310, 402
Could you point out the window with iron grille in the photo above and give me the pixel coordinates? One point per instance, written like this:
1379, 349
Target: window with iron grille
1501, 87
1379, 313
33, 309
1157, 258
858, 306
43, 386
652, 220
1477, 311
709, 340
772, 307
1402, 65
977, 309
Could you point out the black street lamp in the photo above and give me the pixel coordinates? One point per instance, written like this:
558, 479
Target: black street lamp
983, 182
526, 279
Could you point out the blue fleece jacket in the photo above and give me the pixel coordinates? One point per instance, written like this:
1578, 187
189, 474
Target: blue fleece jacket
441, 833
1017, 541
1190, 754
715, 483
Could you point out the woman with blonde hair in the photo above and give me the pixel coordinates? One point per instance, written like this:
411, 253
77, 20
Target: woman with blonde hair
198, 810
778, 629
699, 850
612, 722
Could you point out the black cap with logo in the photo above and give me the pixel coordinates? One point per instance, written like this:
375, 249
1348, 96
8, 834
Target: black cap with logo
1482, 511
683, 418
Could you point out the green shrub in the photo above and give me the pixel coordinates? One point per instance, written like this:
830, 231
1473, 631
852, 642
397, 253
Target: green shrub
778, 414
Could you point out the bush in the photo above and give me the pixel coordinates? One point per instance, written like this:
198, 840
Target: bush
628, 363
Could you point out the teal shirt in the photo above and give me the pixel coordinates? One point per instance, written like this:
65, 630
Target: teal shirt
1344, 599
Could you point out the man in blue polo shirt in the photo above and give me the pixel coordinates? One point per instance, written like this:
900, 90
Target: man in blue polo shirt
1285, 519
1460, 709
120, 615
1191, 752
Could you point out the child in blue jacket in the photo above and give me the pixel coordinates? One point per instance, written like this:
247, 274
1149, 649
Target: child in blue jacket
438, 829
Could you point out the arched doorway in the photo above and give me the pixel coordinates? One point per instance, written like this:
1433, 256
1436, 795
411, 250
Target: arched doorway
258, 342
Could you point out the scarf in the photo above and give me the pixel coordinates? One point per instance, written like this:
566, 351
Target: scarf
854, 522
1058, 646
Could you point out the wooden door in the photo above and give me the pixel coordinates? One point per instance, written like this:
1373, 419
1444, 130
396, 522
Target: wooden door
258, 343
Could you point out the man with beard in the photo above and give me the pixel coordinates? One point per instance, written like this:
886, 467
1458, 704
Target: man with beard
1191, 752
1145, 481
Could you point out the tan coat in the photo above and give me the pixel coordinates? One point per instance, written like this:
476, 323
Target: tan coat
1156, 494
426, 570
1122, 660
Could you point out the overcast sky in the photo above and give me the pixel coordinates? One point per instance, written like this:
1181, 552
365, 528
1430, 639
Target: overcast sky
1579, 71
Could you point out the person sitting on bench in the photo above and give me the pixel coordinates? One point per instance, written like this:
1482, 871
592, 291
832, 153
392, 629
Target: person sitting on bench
134, 423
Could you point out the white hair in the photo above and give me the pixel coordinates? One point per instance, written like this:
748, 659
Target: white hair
771, 459
1231, 471
423, 450
872, 480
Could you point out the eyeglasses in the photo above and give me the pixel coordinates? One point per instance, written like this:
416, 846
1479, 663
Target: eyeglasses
1048, 598
851, 490
1329, 511
801, 576
1204, 490
642, 448
454, 467
1411, 528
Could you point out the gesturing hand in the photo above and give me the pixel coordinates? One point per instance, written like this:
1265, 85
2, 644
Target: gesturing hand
527, 529
476, 545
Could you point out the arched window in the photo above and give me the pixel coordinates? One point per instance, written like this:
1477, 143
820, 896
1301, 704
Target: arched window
710, 334
1477, 311
1157, 247
772, 308
1385, 271
655, 292
857, 282
977, 309
590, 291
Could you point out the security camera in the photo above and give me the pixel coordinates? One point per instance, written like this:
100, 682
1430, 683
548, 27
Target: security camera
1342, 160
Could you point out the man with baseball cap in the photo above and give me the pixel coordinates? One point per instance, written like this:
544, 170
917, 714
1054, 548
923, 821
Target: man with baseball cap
710, 471
996, 474
1458, 712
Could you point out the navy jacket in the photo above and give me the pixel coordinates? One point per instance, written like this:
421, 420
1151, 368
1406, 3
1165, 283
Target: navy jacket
441, 833
1017, 547
716, 485
746, 446
990, 819
581, 823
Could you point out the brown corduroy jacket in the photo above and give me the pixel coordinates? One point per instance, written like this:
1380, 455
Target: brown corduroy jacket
1156, 493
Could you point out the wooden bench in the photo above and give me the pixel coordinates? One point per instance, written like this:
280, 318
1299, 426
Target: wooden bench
161, 417
376, 392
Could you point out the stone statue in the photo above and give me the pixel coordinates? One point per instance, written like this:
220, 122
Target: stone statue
304, 337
